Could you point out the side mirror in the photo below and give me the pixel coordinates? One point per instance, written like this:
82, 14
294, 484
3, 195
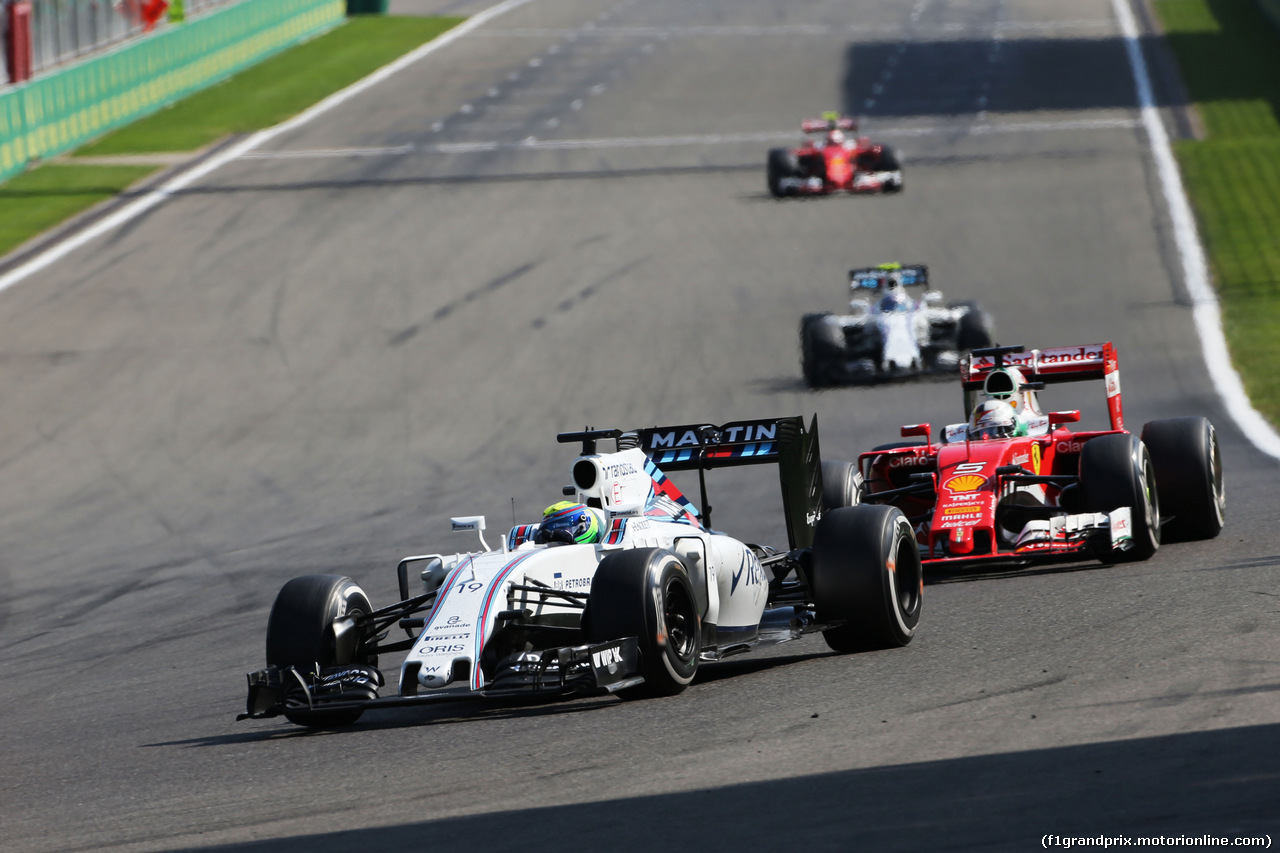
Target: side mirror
910, 430
1057, 419
471, 522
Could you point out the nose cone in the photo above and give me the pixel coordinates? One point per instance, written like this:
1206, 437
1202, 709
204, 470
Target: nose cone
437, 678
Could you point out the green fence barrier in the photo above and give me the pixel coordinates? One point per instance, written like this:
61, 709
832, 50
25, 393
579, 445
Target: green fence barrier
59, 111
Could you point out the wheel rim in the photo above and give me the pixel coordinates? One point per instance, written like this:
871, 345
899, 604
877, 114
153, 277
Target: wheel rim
1215, 468
681, 620
1151, 505
908, 577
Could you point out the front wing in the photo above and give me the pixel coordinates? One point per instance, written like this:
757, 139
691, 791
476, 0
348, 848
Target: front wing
607, 667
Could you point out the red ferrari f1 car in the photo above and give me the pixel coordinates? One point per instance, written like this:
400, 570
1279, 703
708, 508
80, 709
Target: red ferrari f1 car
1014, 486
839, 162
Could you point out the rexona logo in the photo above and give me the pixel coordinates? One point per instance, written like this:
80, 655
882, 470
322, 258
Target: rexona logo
698, 436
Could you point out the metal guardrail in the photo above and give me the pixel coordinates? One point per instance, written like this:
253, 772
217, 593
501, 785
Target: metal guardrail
59, 110
63, 31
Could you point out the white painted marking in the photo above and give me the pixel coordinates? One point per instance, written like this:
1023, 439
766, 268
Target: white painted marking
161, 193
704, 139
792, 30
1195, 270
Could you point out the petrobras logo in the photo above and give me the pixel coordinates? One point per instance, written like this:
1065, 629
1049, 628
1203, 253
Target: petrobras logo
618, 469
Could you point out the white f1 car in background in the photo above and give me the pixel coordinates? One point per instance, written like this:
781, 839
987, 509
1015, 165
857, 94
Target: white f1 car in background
632, 613
889, 332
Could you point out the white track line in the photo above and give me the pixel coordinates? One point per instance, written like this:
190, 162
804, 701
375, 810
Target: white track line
151, 199
1195, 270
710, 139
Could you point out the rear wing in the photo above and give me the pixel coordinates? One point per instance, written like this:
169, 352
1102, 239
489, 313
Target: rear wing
783, 441
831, 121
873, 278
1049, 366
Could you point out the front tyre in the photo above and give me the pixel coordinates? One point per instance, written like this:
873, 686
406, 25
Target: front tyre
1188, 467
647, 594
822, 348
300, 633
866, 573
975, 329
781, 165
1116, 471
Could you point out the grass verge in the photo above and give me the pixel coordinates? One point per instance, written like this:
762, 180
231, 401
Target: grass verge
256, 98
1229, 55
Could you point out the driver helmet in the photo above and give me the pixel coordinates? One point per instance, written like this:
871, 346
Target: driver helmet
836, 136
1010, 385
895, 300
995, 419
569, 522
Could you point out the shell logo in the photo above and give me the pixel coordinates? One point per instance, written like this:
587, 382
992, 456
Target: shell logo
965, 483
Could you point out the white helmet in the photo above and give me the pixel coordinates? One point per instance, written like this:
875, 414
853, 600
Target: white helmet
993, 419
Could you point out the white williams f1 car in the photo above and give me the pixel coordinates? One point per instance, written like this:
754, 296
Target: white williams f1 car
625, 591
890, 332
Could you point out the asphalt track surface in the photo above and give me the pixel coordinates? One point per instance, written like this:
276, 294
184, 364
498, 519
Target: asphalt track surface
307, 363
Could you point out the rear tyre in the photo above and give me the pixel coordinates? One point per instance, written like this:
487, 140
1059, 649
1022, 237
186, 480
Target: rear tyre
646, 593
866, 572
300, 634
781, 164
1188, 467
1116, 471
841, 484
976, 329
821, 349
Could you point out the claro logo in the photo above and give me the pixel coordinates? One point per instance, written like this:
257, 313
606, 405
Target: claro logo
1069, 446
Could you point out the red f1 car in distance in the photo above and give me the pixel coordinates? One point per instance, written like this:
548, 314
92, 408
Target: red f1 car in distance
839, 162
1014, 486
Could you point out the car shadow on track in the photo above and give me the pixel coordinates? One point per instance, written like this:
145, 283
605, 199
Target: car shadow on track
936, 576
1186, 784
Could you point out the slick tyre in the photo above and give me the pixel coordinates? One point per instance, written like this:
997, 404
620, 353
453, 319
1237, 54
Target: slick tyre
781, 164
1116, 471
1188, 467
841, 484
300, 634
889, 162
647, 594
975, 329
866, 573
821, 349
